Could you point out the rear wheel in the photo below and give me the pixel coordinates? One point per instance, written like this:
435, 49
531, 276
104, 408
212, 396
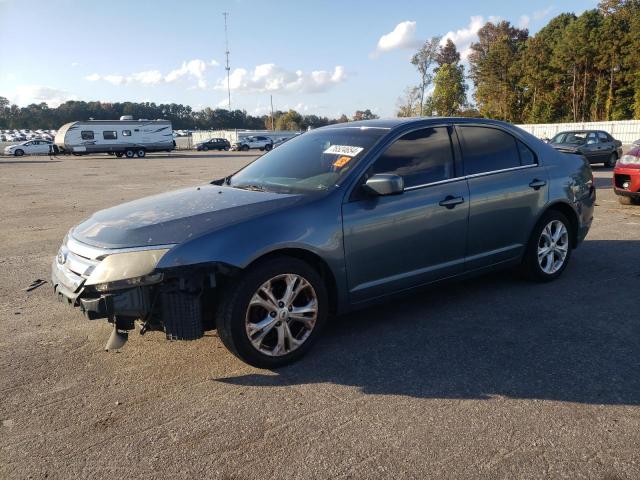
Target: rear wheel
129, 153
268, 147
611, 161
245, 148
273, 314
226, 149
119, 154
549, 248
141, 152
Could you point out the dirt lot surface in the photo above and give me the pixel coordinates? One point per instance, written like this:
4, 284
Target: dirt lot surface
490, 378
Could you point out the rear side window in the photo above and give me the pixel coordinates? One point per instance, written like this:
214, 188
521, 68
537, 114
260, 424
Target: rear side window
126, 133
109, 135
86, 135
527, 157
603, 137
420, 157
487, 149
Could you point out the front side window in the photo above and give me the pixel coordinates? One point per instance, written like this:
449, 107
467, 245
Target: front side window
86, 135
487, 149
126, 133
420, 157
109, 135
315, 161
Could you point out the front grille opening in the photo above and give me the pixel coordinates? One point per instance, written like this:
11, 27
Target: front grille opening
620, 180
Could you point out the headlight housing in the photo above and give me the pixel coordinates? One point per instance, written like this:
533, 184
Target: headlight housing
629, 160
125, 270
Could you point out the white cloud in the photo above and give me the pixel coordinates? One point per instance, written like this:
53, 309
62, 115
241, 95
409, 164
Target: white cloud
524, 21
464, 37
194, 69
75, 64
28, 94
150, 77
269, 77
403, 36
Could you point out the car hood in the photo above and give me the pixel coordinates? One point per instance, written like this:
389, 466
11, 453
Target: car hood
174, 217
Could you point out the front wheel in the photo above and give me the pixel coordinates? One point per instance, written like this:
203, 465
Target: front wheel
205, 148
268, 147
273, 314
611, 161
549, 248
245, 148
18, 153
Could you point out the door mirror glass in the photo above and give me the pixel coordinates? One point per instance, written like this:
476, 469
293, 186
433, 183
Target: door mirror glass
384, 184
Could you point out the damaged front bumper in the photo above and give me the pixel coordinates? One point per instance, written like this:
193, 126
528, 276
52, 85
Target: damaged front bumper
94, 280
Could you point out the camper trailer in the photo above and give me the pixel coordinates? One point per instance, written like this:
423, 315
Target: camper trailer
126, 137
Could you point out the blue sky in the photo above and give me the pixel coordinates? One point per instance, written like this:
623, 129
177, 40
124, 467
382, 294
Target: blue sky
327, 58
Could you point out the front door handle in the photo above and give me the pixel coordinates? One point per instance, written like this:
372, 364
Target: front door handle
537, 184
451, 201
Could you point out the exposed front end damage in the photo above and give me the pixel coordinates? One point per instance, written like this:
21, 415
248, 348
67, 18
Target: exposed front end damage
124, 285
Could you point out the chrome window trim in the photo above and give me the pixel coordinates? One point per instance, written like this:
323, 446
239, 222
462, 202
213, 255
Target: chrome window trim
97, 253
466, 177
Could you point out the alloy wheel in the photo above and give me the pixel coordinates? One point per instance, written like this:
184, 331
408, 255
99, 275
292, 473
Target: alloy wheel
553, 246
281, 315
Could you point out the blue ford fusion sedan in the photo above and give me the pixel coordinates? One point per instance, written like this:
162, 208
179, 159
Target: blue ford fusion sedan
335, 219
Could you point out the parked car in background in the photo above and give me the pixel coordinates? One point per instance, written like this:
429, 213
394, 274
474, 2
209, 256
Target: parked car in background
214, 144
596, 145
249, 143
282, 140
336, 219
30, 147
626, 177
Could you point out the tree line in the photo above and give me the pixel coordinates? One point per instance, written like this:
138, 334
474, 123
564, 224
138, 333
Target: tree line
576, 68
41, 116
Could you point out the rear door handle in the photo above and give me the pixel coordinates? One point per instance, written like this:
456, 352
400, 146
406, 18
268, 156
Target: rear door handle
451, 201
537, 184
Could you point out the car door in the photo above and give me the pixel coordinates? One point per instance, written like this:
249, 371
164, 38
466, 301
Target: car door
592, 149
607, 146
507, 191
400, 241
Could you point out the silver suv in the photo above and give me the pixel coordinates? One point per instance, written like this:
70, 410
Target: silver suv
248, 143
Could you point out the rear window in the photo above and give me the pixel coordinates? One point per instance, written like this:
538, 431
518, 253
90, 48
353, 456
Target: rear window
86, 135
109, 135
487, 149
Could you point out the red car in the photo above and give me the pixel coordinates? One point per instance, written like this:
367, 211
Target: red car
626, 177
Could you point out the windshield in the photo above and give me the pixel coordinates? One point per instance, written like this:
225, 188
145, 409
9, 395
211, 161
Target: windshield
312, 162
575, 138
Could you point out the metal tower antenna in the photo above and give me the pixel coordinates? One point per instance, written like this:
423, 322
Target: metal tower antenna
227, 68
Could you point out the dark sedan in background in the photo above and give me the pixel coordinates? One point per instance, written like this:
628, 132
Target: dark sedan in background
596, 145
214, 144
336, 219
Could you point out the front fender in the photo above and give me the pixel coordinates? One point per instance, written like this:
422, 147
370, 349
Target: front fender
314, 227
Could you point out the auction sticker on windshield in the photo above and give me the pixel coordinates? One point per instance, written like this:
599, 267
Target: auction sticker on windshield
344, 150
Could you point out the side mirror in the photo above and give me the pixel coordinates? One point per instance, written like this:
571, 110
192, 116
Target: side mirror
384, 184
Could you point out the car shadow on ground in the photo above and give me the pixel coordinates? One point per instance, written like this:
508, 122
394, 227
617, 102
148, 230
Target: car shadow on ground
7, 162
576, 339
601, 183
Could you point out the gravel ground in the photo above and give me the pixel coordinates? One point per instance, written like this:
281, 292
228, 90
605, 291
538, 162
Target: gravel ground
490, 378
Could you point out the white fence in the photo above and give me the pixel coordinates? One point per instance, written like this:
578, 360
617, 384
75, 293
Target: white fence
235, 135
627, 131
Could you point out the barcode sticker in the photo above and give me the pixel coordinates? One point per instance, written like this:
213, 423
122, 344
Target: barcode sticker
344, 150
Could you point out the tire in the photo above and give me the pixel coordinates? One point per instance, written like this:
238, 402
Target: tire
205, 148
226, 149
268, 147
129, 153
535, 268
628, 200
244, 148
119, 154
19, 152
140, 153
234, 313
611, 161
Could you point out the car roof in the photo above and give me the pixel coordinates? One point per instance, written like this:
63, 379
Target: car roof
581, 131
393, 123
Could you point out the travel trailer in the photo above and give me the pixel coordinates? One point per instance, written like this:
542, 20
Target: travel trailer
126, 137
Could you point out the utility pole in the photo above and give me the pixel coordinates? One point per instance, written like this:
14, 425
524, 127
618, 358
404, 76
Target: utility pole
272, 127
226, 52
